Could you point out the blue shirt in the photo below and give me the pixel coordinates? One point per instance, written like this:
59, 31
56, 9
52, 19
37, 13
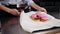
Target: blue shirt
28, 1
14, 1
8, 1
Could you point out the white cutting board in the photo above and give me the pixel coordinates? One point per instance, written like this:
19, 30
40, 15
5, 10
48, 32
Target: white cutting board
29, 25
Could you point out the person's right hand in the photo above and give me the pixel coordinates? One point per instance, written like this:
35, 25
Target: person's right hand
14, 12
11, 11
17, 12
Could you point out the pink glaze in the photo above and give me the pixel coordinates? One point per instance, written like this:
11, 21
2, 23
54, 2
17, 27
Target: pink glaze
33, 16
42, 17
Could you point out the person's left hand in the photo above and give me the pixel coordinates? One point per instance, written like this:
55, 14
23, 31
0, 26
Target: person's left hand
43, 10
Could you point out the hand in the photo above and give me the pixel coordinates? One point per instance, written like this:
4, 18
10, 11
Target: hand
17, 11
11, 11
43, 10
14, 12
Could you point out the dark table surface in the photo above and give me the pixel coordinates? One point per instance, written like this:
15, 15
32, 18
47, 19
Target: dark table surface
9, 21
12, 26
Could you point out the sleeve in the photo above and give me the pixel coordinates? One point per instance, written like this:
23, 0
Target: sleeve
18, 3
19, 0
29, 1
0, 3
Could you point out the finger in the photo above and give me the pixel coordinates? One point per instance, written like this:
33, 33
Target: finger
44, 11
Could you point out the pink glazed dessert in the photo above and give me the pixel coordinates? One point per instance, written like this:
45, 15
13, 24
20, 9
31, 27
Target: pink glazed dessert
34, 16
39, 16
42, 17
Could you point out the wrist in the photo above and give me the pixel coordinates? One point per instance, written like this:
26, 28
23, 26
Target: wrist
39, 8
2, 7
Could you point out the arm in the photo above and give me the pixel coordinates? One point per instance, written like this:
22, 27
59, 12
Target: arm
13, 12
35, 6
